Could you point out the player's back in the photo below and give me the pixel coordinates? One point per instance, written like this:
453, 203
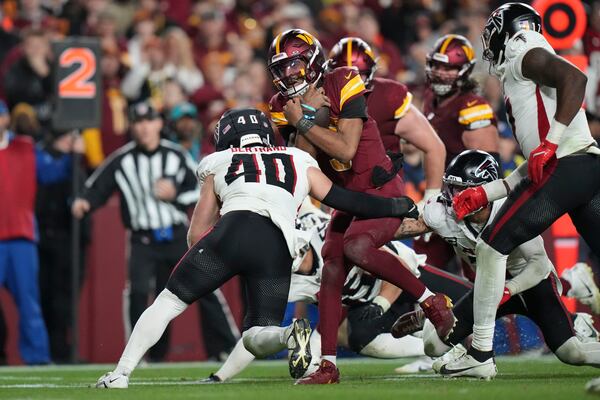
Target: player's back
530, 106
466, 111
387, 102
269, 181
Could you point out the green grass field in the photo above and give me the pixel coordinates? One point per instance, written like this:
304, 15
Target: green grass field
519, 378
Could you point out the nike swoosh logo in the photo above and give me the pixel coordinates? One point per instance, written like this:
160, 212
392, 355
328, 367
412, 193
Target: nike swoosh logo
112, 380
349, 75
446, 371
470, 103
537, 154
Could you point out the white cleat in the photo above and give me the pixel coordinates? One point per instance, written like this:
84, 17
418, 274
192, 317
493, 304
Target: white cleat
593, 386
112, 380
467, 366
583, 324
451, 355
421, 364
583, 286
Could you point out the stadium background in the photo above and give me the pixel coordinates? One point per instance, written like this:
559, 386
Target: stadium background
215, 53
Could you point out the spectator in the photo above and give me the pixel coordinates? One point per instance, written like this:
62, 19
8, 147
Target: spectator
185, 129
156, 182
54, 223
179, 55
18, 252
28, 80
212, 34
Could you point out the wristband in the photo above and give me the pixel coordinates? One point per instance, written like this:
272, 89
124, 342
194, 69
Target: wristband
495, 190
556, 131
307, 107
304, 125
382, 302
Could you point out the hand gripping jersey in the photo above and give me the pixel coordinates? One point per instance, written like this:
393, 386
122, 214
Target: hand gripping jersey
270, 181
467, 111
387, 102
342, 85
531, 107
359, 287
462, 235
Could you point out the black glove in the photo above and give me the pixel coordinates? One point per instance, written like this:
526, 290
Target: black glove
370, 311
406, 208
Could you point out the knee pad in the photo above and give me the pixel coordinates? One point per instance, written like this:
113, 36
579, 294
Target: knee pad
571, 352
356, 248
250, 343
432, 344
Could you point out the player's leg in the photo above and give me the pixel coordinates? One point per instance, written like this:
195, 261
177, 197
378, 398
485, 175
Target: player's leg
236, 362
22, 282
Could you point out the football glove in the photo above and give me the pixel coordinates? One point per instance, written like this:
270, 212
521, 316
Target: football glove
505, 296
469, 201
538, 158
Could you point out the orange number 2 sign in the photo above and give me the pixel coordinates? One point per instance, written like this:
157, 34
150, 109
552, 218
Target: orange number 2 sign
77, 84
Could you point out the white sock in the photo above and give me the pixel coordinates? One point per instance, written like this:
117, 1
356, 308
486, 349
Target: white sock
263, 341
488, 288
331, 359
427, 293
315, 347
386, 346
238, 360
149, 328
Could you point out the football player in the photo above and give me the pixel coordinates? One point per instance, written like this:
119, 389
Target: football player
390, 104
533, 288
350, 152
244, 224
544, 94
373, 305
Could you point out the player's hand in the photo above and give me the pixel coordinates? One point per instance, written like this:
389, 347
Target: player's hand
370, 311
538, 158
316, 98
468, 201
293, 111
505, 296
407, 208
164, 189
80, 207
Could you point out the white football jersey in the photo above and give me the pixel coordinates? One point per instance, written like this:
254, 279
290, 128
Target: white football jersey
270, 181
462, 235
530, 107
360, 286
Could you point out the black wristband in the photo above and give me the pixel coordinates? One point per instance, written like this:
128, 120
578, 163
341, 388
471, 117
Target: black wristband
304, 125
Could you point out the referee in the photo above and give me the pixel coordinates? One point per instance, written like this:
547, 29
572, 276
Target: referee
156, 183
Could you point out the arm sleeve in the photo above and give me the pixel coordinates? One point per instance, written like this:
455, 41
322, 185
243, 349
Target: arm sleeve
101, 184
369, 206
433, 212
538, 267
205, 168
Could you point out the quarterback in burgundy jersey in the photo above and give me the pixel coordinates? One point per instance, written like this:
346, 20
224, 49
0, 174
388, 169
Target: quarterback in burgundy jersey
351, 153
389, 103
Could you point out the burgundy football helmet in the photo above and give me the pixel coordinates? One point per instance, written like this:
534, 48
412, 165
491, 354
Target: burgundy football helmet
451, 52
354, 52
295, 60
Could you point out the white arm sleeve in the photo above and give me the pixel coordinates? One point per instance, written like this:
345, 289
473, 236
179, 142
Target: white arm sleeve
538, 266
497, 189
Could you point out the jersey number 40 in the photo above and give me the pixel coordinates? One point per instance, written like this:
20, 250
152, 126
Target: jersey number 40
279, 170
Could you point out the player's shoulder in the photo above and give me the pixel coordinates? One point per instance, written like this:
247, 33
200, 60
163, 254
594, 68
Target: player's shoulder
474, 111
341, 74
524, 41
210, 163
436, 213
392, 95
302, 156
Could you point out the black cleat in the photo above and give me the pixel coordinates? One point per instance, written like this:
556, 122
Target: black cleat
298, 344
210, 380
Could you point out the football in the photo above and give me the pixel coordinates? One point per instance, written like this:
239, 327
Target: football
322, 117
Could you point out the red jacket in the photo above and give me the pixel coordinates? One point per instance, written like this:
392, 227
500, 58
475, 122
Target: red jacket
17, 189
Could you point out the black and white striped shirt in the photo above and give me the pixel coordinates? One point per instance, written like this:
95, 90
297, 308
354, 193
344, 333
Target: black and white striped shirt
134, 172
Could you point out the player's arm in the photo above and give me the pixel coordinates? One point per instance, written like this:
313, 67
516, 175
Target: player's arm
357, 203
411, 228
538, 266
206, 212
547, 69
414, 128
485, 139
97, 189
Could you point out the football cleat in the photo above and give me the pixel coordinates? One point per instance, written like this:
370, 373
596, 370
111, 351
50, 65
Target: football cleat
583, 286
298, 344
408, 324
421, 364
438, 309
113, 380
593, 386
583, 324
327, 373
212, 378
467, 366
451, 355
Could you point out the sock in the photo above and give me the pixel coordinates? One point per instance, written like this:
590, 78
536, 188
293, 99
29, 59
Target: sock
566, 286
149, 328
426, 294
488, 289
331, 359
386, 346
330, 304
238, 360
263, 341
480, 356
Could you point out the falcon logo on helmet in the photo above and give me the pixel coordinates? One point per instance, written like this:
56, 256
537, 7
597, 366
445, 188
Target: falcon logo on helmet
502, 25
450, 53
295, 61
354, 52
469, 168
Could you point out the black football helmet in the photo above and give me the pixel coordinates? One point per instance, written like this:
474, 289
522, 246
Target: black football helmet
468, 169
243, 127
502, 24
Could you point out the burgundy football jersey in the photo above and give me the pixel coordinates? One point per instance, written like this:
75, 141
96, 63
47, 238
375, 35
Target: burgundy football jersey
342, 85
387, 102
468, 111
